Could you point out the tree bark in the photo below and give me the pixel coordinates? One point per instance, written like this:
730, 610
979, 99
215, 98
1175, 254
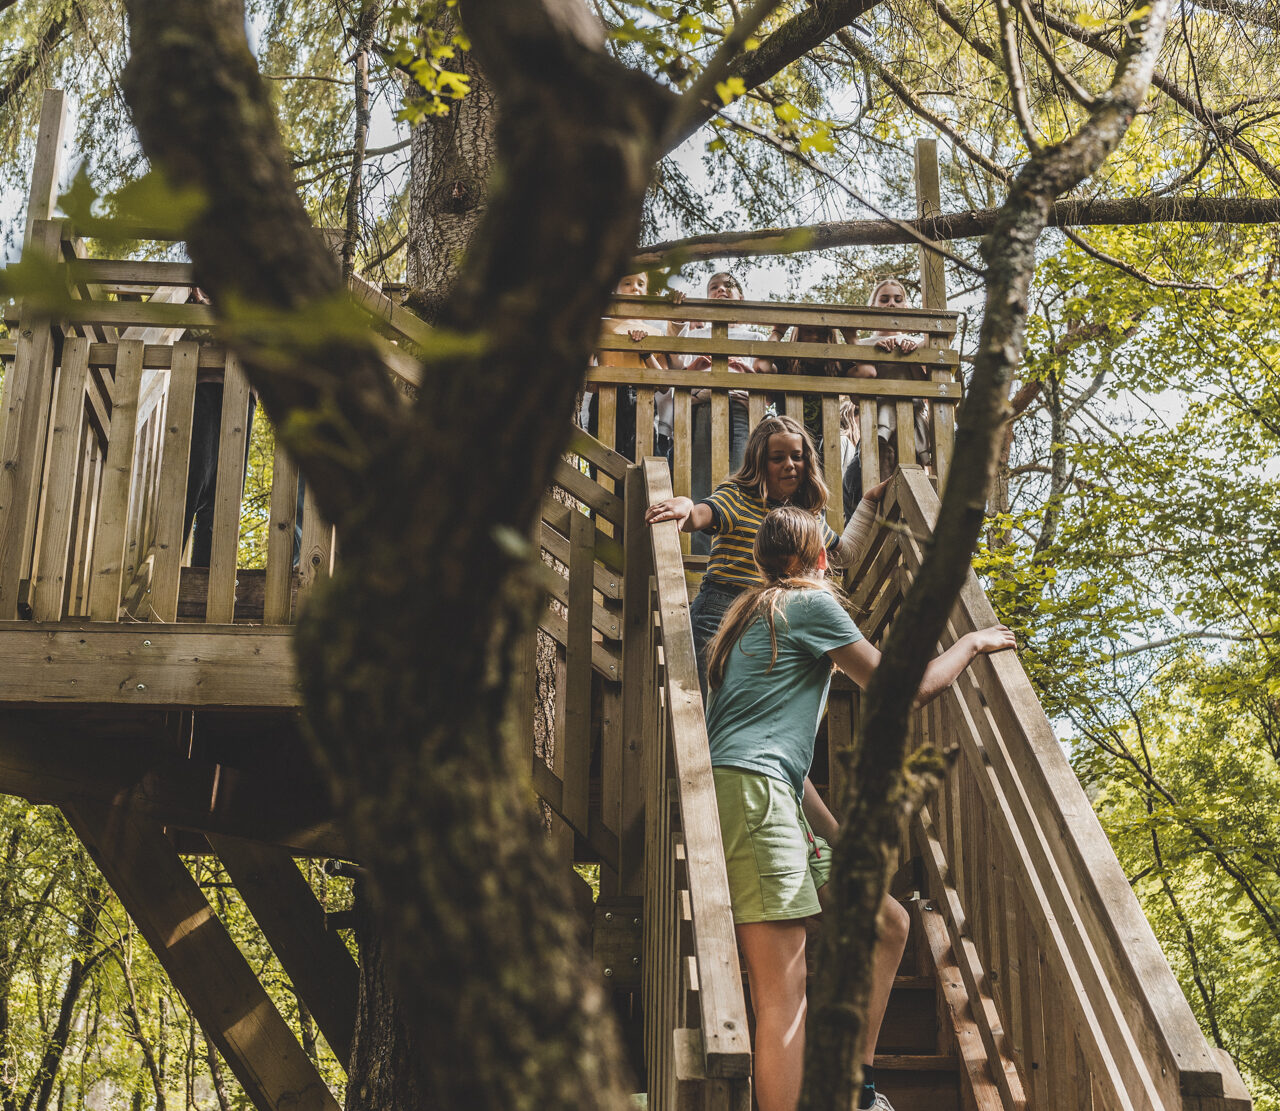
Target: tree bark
451, 158
877, 786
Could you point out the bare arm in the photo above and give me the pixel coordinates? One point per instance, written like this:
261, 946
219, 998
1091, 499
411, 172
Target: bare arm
822, 821
860, 659
859, 529
690, 517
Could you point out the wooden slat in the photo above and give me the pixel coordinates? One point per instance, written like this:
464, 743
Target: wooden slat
156, 356
28, 392
113, 508
607, 581
606, 622
607, 663
607, 504
577, 732
49, 585
583, 443
869, 448
131, 272
905, 430
145, 314
227, 496
719, 437
172, 494
637, 622
315, 560
831, 466
865, 317
644, 423
556, 516
756, 405
315, 959
46, 165
943, 415
728, 1051
779, 383
201, 959
682, 457
147, 665
794, 406
284, 508
748, 349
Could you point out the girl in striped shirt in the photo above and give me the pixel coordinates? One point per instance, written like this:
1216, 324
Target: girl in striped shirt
779, 467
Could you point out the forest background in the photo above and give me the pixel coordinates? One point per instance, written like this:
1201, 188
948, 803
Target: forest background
1133, 534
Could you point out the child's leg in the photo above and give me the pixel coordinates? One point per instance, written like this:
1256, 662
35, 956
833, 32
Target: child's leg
774, 952
892, 924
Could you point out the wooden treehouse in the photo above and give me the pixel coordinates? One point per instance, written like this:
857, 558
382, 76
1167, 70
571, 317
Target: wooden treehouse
155, 704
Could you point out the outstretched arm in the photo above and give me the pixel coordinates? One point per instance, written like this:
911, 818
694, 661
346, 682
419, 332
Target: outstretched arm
857, 533
860, 659
689, 516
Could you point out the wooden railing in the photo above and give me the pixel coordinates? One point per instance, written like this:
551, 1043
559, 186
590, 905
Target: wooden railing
1074, 1000
697, 1044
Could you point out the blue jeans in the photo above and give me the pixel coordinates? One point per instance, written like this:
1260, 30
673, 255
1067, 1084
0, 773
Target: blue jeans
700, 463
706, 611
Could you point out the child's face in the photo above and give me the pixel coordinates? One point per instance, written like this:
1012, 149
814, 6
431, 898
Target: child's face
890, 295
784, 464
635, 285
809, 333
724, 287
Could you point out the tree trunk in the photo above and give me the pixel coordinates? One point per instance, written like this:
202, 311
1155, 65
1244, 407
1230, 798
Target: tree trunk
408, 657
452, 157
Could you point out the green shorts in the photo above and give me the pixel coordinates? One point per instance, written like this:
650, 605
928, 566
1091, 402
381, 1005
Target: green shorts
776, 863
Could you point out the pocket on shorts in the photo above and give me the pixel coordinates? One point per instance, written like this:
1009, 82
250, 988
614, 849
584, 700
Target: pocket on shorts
757, 801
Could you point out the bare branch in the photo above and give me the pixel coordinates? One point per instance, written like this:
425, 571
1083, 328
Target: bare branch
958, 225
1260, 14
1017, 81
1129, 268
1078, 91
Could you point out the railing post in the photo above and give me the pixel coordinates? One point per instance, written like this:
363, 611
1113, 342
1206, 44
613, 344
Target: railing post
636, 617
933, 279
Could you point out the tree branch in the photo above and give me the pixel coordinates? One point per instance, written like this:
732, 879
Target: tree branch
1251, 13
1128, 268
957, 225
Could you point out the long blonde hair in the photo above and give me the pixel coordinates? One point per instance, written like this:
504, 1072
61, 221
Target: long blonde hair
812, 492
787, 548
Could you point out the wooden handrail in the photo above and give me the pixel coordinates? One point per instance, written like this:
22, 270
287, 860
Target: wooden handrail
774, 383
1043, 883
725, 1040
937, 322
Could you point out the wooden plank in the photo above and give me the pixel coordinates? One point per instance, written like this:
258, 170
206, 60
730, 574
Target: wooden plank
147, 665
156, 356
228, 493
1034, 1066
636, 623
28, 392
162, 295
46, 165
278, 598
756, 405
869, 445
719, 437
682, 459
203, 962
905, 432
933, 273
86, 522
395, 317
583, 443
601, 501
606, 663
131, 272
314, 958
975, 1070
866, 317
49, 584
728, 1050
782, 383
144, 314
753, 349
967, 960
607, 582
172, 494
577, 731
109, 570
315, 560
644, 423
832, 470
556, 515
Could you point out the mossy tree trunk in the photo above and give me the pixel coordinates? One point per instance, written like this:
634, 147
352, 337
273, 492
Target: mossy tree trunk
408, 656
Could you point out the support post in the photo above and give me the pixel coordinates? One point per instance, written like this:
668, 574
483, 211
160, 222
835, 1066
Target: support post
203, 962
933, 281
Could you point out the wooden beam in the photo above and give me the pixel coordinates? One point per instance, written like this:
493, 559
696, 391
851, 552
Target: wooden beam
203, 962
148, 665
315, 959
61, 756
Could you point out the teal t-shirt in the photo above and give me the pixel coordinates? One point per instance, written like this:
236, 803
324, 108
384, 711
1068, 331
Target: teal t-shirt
764, 720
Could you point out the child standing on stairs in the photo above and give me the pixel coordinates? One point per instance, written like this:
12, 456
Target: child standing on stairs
769, 669
779, 467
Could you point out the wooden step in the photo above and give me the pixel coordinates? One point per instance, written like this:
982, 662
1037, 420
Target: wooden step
919, 1082
911, 1019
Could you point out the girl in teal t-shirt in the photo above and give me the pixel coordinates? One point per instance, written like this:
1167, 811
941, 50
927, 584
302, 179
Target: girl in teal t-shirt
769, 669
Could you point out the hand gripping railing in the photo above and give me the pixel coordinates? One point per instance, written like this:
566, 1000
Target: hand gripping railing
697, 1045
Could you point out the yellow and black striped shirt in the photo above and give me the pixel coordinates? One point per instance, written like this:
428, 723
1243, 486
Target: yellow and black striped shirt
736, 515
